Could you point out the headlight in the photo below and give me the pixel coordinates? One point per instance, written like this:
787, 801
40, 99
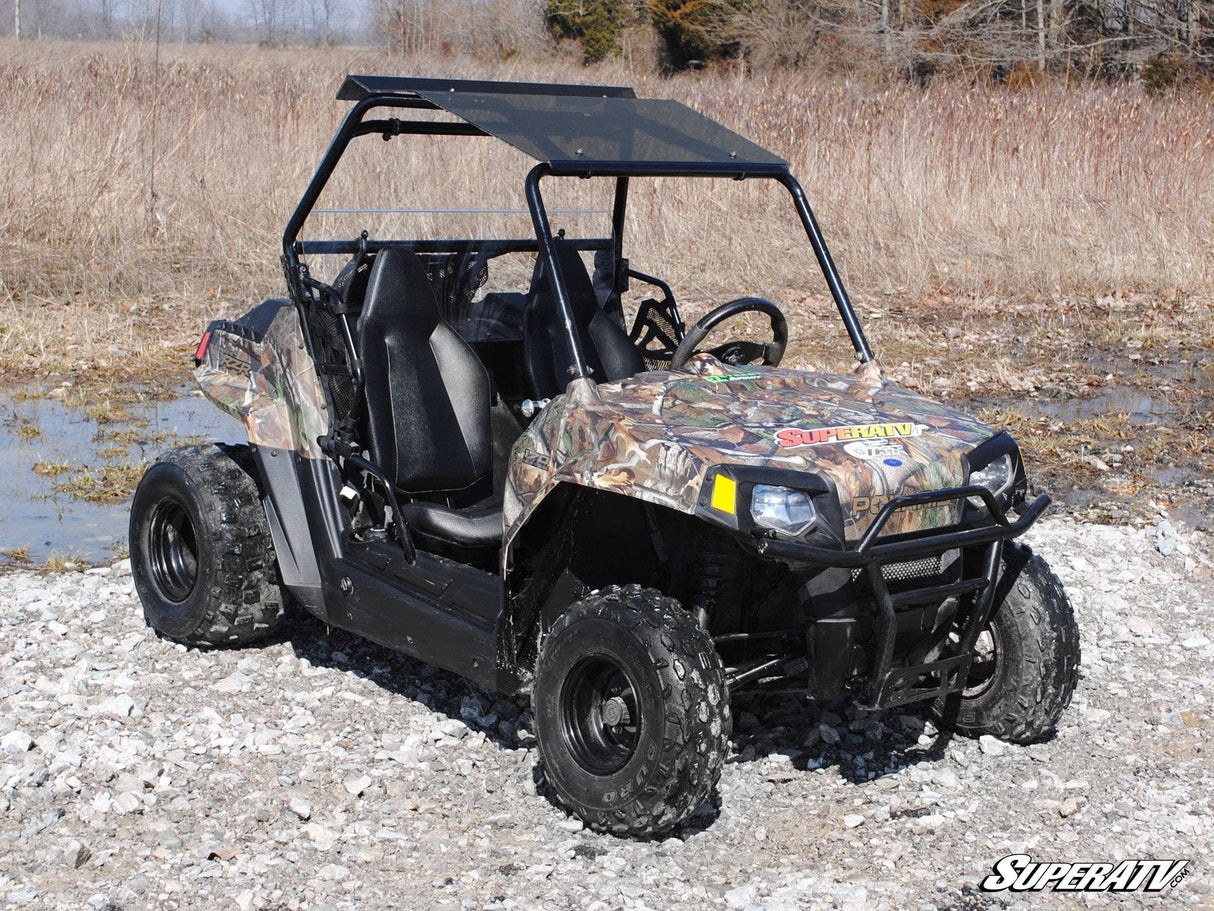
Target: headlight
781, 508
996, 477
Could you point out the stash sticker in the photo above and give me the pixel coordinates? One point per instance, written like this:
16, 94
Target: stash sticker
878, 449
791, 437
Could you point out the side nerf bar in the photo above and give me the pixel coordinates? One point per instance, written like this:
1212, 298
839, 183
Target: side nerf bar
934, 541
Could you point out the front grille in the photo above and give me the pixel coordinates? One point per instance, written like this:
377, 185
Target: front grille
912, 570
921, 573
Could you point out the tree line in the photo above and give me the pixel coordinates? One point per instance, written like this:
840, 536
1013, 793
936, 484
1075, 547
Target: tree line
271, 22
1162, 42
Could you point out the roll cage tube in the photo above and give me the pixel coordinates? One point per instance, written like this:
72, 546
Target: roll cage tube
863, 352
543, 230
354, 126
543, 233
618, 210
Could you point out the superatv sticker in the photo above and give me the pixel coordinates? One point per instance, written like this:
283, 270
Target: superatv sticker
1020, 873
791, 437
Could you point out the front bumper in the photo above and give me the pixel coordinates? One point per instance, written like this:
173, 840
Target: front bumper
887, 684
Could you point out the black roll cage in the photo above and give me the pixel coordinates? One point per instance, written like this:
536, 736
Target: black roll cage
399, 93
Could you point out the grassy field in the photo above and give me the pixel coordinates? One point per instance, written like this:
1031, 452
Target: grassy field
136, 199
999, 243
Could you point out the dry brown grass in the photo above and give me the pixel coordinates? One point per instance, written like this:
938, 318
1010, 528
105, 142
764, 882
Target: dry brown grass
108, 483
136, 203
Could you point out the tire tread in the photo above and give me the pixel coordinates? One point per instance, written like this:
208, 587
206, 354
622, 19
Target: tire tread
692, 753
1035, 608
247, 602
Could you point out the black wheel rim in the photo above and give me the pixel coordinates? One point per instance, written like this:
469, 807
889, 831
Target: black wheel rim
173, 550
600, 715
985, 665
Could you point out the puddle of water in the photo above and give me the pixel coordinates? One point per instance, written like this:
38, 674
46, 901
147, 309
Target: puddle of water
33, 515
1176, 400
1180, 401
1138, 406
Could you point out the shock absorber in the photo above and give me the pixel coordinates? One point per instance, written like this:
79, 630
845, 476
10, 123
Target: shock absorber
714, 601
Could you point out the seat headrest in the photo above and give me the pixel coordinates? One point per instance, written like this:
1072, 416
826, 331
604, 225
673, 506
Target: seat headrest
399, 291
582, 298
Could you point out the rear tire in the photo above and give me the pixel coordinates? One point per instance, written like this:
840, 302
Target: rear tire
201, 553
1027, 662
631, 711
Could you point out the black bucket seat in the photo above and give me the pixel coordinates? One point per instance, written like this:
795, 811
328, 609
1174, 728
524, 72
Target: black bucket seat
428, 399
609, 353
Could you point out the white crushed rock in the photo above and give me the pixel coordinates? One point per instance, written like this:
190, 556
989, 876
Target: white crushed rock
322, 772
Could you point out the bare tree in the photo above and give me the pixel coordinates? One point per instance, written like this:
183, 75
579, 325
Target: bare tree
271, 19
107, 17
409, 25
322, 14
190, 22
499, 28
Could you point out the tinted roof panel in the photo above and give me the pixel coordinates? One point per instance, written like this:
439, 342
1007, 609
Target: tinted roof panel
571, 129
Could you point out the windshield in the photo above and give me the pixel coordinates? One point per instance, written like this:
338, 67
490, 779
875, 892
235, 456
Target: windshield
705, 241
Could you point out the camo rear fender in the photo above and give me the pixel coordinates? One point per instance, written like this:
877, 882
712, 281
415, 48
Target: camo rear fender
258, 369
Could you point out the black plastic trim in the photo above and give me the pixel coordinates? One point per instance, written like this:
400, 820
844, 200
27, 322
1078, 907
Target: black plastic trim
288, 517
434, 610
988, 451
360, 87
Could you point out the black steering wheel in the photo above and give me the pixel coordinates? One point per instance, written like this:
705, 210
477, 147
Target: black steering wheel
736, 353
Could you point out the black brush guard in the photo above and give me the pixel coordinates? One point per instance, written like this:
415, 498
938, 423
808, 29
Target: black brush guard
888, 685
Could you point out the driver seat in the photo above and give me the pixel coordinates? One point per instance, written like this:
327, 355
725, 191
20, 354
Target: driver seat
428, 398
608, 351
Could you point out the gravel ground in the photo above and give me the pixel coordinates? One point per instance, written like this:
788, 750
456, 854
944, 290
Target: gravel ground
320, 771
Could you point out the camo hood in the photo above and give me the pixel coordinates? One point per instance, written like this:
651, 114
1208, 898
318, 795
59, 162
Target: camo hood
655, 436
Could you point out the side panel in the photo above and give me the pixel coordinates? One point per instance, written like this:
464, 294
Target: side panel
289, 526
439, 612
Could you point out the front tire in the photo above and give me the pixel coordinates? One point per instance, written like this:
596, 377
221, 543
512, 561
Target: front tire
631, 711
201, 553
1026, 662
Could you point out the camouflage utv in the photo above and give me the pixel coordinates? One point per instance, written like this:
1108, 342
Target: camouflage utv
630, 520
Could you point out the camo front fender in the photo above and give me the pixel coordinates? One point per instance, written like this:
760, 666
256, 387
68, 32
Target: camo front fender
655, 436
579, 439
